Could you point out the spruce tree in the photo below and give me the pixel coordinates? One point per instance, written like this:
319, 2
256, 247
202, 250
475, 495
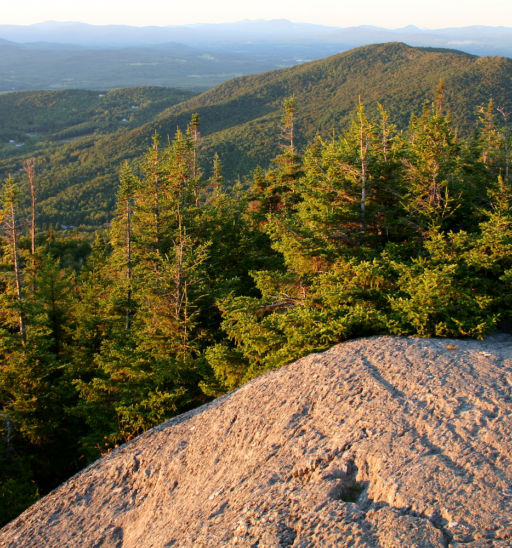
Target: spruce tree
432, 173
9, 221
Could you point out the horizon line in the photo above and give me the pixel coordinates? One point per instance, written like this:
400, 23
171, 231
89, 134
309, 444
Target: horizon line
320, 25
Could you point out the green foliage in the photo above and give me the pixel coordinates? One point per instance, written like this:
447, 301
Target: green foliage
66, 128
432, 170
59, 115
438, 294
238, 118
228, 368
17, 488
194, 289
393, 266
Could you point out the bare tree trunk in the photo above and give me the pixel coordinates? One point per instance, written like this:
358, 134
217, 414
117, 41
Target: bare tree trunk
129, 264
506, 139
156, 191
193, 133
29, 167
194, 162
292, 132
17, 274
185, 323
288, 121
385, 133
181, 306
363, 152
179, 269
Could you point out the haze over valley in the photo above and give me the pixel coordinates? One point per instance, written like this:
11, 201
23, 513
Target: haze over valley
58, 55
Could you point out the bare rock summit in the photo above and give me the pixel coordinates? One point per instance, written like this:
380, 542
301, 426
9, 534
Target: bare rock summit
391, 442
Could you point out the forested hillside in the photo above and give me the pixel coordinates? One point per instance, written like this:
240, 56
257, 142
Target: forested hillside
238, 118
198, 284
35, 118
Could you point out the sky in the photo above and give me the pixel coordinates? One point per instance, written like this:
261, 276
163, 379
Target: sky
341, 13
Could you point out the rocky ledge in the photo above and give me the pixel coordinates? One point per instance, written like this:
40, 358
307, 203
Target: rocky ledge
392, 442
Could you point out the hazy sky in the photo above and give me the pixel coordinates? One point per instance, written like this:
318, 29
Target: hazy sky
385, 13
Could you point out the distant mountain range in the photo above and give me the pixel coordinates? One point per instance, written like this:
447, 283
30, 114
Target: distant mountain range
79, 159
123, 35
56, 55
480, 40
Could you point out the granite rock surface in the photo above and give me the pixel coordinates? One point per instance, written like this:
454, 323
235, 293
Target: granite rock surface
377, 442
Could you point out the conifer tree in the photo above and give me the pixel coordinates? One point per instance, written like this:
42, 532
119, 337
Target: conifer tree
146, 369
53, 297
432, 170
29, 167
9, 220
122, 260
496, 140
92, 311
149, 205
276, 190
196, 288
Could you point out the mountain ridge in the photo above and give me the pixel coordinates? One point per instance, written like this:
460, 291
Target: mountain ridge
239, 48
260, 28
240, 118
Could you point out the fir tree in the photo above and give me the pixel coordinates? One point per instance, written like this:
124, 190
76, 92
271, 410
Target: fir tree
9, 220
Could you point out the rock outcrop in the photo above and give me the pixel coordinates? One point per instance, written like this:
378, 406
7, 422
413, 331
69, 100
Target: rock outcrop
393, 442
